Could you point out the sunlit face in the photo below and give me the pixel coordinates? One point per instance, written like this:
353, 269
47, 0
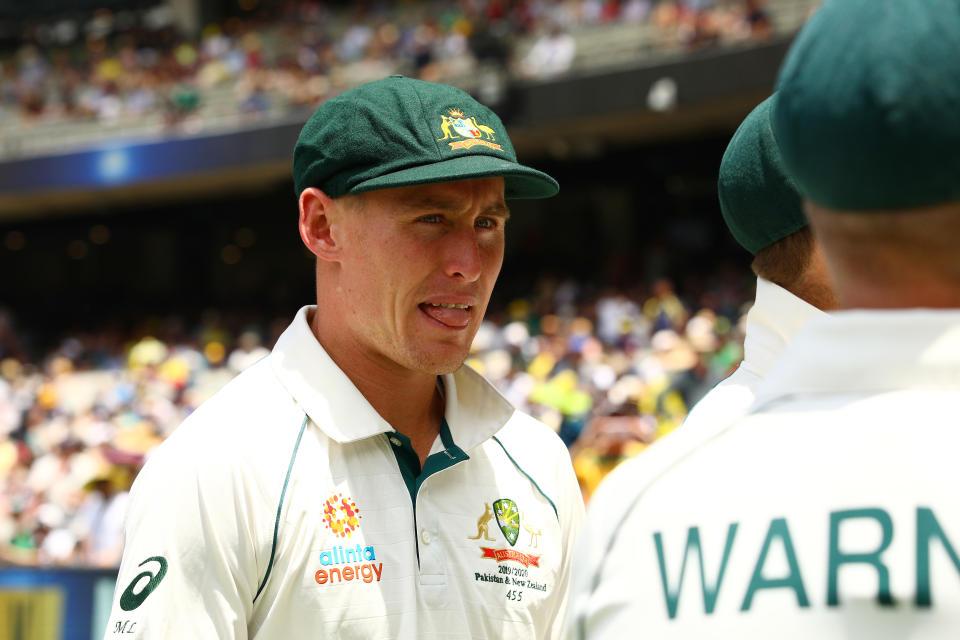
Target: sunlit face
417, 269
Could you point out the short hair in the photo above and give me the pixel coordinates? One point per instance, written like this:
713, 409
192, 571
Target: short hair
786, 260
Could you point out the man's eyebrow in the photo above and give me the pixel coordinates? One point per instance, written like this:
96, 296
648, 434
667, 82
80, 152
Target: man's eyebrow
431, 203
499, 210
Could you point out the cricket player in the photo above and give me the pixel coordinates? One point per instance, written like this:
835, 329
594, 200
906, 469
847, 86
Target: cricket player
359, 482
829, 510
764, 212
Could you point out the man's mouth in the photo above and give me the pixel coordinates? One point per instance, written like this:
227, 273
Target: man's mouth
449, 314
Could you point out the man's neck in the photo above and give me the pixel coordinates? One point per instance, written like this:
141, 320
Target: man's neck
409, 401
918, 294
410, 404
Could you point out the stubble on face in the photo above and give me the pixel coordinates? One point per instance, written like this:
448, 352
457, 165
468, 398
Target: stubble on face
413, 249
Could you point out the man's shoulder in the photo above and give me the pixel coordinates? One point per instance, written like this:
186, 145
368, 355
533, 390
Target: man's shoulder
726, 401
526, 435
246, 420
537, 452
697, 453
620, 496
252, 402
623, 487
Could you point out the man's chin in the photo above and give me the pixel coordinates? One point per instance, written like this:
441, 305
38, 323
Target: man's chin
440, 362
445, 367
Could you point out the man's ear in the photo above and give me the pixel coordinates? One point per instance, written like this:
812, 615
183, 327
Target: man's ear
317, 216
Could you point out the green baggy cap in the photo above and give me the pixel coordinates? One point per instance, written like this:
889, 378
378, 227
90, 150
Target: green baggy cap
759, 201
868, 113
400, 132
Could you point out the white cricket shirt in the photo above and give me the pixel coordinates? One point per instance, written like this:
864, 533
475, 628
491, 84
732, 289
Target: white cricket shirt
828, 511
286, 507
775, 318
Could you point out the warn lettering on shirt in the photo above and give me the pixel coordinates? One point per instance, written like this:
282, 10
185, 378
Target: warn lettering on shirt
778, 539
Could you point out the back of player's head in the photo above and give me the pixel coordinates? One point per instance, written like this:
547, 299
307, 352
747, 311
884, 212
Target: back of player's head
760, 202
868, 109
868, 121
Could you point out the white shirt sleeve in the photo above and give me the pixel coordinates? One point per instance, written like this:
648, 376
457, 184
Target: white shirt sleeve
189, 567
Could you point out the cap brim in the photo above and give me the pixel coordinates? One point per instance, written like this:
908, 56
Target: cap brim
519, 181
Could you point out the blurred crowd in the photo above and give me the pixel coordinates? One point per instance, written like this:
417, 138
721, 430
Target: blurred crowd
611, 371
124, 65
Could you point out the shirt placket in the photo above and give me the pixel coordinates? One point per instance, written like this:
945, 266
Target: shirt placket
432, 561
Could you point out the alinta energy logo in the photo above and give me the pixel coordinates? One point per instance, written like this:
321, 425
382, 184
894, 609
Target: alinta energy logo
346, 564
341, 515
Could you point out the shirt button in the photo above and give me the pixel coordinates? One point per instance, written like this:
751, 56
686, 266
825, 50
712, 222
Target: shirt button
425, 536
395, 441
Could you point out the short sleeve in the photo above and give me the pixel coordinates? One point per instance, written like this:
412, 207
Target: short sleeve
189, 567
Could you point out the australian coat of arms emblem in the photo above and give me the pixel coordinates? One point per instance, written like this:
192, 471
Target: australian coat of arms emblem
508, 518
465, 132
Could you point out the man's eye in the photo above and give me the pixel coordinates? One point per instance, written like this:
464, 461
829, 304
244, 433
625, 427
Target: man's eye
431, 218
486, 223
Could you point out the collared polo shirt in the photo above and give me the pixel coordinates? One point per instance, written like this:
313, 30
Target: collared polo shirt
286, 507
775, 318
828, 511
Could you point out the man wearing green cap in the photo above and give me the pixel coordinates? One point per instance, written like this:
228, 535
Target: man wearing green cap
829, 510
359, 481
764, 212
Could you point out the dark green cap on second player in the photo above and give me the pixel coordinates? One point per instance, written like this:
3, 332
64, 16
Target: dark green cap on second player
759, 201
868, 110
400, 132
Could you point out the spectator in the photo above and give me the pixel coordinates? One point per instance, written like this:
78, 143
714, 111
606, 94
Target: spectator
758, 19
551, 55
122, 67
100, 517
247, 352
608, 441
72, 435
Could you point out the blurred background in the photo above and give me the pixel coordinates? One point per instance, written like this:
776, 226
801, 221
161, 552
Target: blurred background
149, 249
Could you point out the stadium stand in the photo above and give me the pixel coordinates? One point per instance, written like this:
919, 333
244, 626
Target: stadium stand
610, 369
138, 78
78, 420
619, 306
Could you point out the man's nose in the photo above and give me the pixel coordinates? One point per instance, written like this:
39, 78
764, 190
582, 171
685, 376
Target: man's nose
462, 252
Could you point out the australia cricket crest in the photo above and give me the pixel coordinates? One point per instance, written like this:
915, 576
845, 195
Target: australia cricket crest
465, 127
465, 131
508, 518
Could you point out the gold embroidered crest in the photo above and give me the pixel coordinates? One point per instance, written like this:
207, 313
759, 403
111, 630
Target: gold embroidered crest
466, 132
